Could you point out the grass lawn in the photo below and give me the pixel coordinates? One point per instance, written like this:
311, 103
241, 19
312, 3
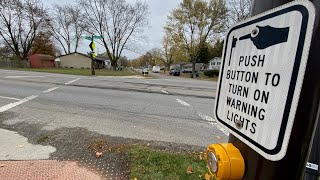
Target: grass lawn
84, 72
187, 75
148, 163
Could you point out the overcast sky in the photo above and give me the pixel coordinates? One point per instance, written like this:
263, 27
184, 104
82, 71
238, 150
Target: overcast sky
159, 9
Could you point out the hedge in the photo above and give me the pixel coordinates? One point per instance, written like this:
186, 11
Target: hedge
212, 73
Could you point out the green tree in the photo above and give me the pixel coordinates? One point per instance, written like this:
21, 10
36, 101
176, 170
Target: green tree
181, 55
169, 50
42, 44
205, 53
194, 22
217, 49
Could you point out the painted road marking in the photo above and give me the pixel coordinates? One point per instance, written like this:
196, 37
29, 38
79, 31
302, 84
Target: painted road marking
12, 105
23, 76
213, 122
72, 81
4, 97
51, 89
182, 102
166, 92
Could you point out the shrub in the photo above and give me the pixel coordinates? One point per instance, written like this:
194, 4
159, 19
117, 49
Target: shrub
212, 73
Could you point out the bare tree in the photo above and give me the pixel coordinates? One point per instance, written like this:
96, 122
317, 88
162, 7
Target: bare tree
239, 10
60, 27
117, 22
67, 26
20, 21
78, 24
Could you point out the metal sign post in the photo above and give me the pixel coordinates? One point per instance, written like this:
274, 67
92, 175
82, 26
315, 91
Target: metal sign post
92, 47
301, 116
92, 53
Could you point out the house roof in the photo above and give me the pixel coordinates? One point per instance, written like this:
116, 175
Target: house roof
85, 55
102, 58
44, 57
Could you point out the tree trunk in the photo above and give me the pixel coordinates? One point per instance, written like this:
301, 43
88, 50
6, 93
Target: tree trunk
19, 61
193, 68
114, 65
168, 67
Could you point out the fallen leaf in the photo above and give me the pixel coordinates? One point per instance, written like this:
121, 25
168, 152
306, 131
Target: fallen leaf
2, 165
189, 170
200, 176
218, 137
200, 157
207, 176
135, 179
20, 146
98, 154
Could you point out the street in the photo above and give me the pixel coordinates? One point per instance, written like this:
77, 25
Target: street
165, 110
55, 117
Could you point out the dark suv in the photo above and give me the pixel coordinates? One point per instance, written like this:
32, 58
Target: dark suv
174, 72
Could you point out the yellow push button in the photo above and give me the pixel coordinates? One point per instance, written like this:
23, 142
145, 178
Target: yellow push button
225, 161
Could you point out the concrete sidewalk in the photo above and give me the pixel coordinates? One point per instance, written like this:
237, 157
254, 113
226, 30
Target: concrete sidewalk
16, 147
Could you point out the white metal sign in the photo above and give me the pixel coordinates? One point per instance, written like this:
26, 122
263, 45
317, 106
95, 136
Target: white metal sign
262, 71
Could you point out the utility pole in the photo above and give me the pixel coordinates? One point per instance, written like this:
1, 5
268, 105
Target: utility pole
273, 138
293, 165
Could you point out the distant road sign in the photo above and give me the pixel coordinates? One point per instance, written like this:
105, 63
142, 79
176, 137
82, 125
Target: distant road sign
88, 38
262, 71
97, 37
94, 37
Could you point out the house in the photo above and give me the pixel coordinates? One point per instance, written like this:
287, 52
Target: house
215, 63
80, 61
186, 67
107, 62
41, 61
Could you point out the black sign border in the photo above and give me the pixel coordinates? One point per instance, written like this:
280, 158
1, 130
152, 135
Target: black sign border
305, 17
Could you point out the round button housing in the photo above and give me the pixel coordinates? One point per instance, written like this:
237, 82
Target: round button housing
225, 161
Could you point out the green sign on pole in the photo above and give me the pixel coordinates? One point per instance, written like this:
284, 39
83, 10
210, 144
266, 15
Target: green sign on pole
94, 37
97, 37
88, 38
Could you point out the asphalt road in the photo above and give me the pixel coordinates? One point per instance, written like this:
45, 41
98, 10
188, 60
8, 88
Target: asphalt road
173, 110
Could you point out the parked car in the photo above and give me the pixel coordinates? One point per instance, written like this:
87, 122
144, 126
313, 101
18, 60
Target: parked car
145, 70
174, 72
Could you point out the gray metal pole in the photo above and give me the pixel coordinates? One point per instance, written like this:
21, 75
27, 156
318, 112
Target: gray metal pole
314, 158
93, 73
292, 166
